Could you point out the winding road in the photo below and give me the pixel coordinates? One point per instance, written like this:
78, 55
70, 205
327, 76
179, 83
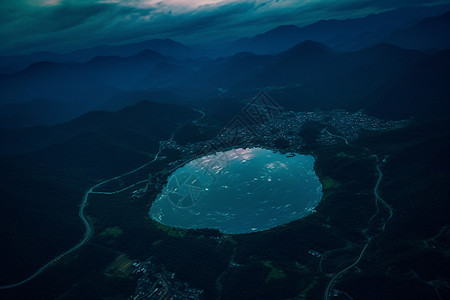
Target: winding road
219, 287
378, 200
88, 226
81, 212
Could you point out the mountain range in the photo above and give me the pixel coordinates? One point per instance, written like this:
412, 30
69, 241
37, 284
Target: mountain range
69, 122
354, 80
294, 63
354, 34
341, 35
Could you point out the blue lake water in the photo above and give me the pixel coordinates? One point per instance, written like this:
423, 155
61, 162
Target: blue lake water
239, 191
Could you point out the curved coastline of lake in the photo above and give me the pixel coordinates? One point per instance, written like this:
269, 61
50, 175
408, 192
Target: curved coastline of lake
239, 191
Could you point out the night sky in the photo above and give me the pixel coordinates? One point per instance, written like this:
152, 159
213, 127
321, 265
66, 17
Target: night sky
63, 25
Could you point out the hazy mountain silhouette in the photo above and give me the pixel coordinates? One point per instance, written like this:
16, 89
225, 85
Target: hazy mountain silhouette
422, 91
54, 80
428, 34
39, 111
150, 120
342, 35
167, 47
312, 69
310, 72
71, 121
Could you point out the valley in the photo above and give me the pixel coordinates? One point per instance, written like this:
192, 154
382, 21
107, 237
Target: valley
228, 149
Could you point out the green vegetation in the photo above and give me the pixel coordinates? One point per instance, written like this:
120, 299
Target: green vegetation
344, 155
329, 183
122, 265
114, 231
173, 232
313, 285
413, 182
275, 273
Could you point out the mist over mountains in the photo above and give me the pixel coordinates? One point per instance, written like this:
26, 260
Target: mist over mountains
297, 62
341, 35
71, 124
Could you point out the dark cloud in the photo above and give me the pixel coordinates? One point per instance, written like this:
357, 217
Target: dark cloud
63, 25
356, 5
